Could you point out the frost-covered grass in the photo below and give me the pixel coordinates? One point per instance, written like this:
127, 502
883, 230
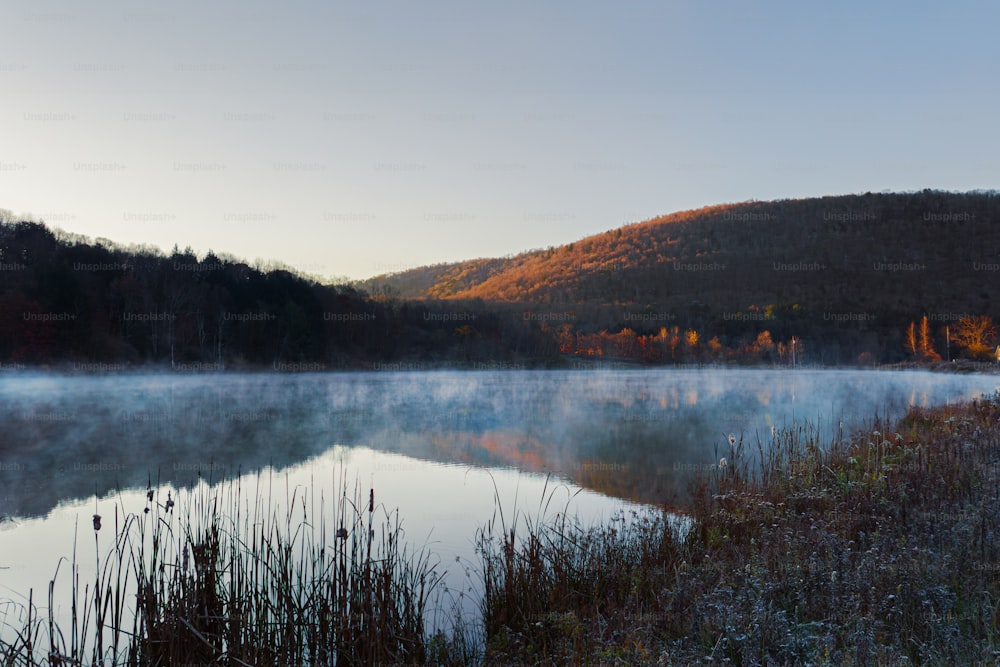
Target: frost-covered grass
881, 549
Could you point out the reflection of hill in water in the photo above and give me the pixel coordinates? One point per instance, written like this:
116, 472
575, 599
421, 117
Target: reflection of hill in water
634, 434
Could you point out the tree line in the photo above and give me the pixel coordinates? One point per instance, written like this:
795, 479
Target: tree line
65, 299
68, 299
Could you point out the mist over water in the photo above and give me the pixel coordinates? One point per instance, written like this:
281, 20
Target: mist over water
440, 449
635, 434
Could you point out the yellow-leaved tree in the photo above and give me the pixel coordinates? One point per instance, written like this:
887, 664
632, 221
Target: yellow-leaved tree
977, 335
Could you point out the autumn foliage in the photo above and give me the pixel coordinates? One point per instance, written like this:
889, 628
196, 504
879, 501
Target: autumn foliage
977, 335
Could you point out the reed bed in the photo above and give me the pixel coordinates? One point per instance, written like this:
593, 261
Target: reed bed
217, 578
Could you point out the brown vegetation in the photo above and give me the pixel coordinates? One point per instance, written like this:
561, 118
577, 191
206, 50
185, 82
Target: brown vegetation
882, 549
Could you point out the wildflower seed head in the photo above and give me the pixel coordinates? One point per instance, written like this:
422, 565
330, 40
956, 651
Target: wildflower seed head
722, 462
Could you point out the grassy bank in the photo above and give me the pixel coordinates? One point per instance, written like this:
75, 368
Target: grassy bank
880, 549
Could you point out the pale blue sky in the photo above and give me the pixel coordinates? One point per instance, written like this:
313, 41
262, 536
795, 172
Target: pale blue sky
353, 138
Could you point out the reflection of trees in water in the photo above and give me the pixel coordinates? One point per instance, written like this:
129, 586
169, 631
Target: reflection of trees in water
634, 435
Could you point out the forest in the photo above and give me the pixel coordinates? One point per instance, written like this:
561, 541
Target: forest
851, 280
92, 305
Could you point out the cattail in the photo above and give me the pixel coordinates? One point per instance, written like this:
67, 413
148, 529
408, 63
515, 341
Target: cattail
722, 462
97, 522
170, 503
732, 439
341, 533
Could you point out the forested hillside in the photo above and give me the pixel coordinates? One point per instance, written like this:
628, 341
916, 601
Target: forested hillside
89, 305
847, 274
840, 246
861, 279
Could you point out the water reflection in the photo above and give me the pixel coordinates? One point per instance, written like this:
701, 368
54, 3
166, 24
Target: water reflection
438, 507
637, 435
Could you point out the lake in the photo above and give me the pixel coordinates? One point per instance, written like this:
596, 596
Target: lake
441, 447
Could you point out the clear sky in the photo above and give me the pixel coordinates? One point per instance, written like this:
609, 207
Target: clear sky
355, 138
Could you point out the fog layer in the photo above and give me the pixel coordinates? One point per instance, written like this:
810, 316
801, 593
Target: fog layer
634, 434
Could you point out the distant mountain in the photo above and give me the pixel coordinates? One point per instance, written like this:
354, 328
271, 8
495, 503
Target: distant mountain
890, 253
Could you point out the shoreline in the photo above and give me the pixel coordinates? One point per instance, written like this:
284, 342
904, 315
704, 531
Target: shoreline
102, 369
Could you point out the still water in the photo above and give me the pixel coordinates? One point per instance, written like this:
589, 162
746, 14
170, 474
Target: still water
439, 447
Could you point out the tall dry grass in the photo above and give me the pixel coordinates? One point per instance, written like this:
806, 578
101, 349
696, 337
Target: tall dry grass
223, 577
878, 549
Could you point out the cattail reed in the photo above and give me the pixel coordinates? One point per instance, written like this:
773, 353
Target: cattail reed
213, 576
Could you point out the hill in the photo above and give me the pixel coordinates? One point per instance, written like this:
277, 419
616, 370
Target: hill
83, 305
842, 242
808, 267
